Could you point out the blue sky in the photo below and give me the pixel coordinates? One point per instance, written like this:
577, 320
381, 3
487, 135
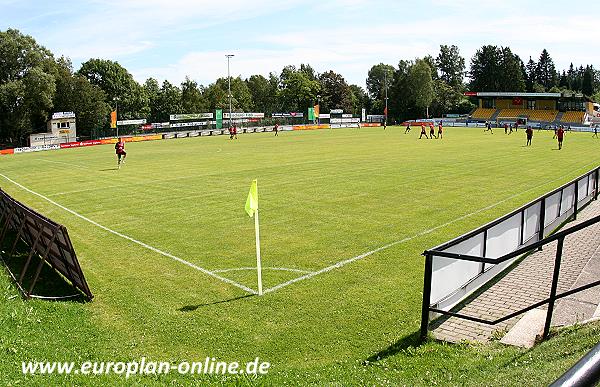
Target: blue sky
172, 39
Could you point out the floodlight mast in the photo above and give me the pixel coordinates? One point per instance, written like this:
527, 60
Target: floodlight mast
386, 97
229, 56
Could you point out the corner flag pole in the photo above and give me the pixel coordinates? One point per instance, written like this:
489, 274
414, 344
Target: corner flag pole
252, 210
258, 265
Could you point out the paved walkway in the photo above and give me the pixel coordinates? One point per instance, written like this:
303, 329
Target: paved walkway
530, 282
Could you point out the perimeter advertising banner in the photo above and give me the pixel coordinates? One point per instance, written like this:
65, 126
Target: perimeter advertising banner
287, 115
132, 122
196, 116
57, 115
189, 124
79, 144
219, 118
244, 115
310, 127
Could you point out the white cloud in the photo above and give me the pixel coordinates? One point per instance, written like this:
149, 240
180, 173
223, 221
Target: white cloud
154, 38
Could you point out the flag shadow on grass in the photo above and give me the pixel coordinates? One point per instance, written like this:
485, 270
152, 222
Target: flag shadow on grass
191, 308
412, 340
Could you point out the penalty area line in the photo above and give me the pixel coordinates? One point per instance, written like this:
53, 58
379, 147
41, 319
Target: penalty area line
147, 246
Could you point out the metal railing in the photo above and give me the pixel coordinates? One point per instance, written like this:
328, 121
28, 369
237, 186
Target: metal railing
586, 372
479, 256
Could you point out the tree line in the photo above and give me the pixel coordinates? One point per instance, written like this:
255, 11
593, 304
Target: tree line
34, 83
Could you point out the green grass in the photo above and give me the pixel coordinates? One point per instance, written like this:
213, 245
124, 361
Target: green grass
325, 196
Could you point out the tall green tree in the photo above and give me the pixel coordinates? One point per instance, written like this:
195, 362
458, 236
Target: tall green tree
264, 94
420, 84
485, 69
512, 70
401, 106
216, 97
169, 101
587, 82
27, 86
192, 98
546, 71
497, 69
335, 92
377, 78
75, 93
298, 91
152, 90
360, 100
531, 76
118, 84
451, 66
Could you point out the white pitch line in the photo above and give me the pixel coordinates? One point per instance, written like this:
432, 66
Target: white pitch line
264, 268
154, 249
63, 163
368, 253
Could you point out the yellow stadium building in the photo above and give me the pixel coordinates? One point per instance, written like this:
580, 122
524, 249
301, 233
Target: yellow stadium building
540, 109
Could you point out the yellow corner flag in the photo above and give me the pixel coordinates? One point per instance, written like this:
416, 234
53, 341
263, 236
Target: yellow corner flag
252, 201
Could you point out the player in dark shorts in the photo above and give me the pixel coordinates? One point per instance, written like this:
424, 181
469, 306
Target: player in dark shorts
276, 129
488, 126
595, 131
120, 151
560, 135
235, 132
231, 132
529, 133
407, 128
431, 131
423, 133
440, 130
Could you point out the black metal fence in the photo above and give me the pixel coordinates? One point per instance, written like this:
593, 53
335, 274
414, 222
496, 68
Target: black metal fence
458, 268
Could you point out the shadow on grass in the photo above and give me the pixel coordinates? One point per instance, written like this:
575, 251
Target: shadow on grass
191, 308
412, 340
108, 169
50, 284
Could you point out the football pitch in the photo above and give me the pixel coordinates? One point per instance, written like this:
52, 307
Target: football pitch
169, 253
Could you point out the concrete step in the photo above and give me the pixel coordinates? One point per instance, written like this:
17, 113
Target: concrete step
580, 306
526, 330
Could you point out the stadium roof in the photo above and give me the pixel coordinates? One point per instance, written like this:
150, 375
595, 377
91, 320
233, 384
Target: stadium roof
512, 94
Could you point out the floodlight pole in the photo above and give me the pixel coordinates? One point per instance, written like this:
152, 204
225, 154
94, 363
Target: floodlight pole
229, 56
386, 97
319, 105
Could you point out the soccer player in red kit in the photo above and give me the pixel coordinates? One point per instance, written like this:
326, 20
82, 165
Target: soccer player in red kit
440, 130
560, 134
423, 133
431, 131
529, 133
120, 150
